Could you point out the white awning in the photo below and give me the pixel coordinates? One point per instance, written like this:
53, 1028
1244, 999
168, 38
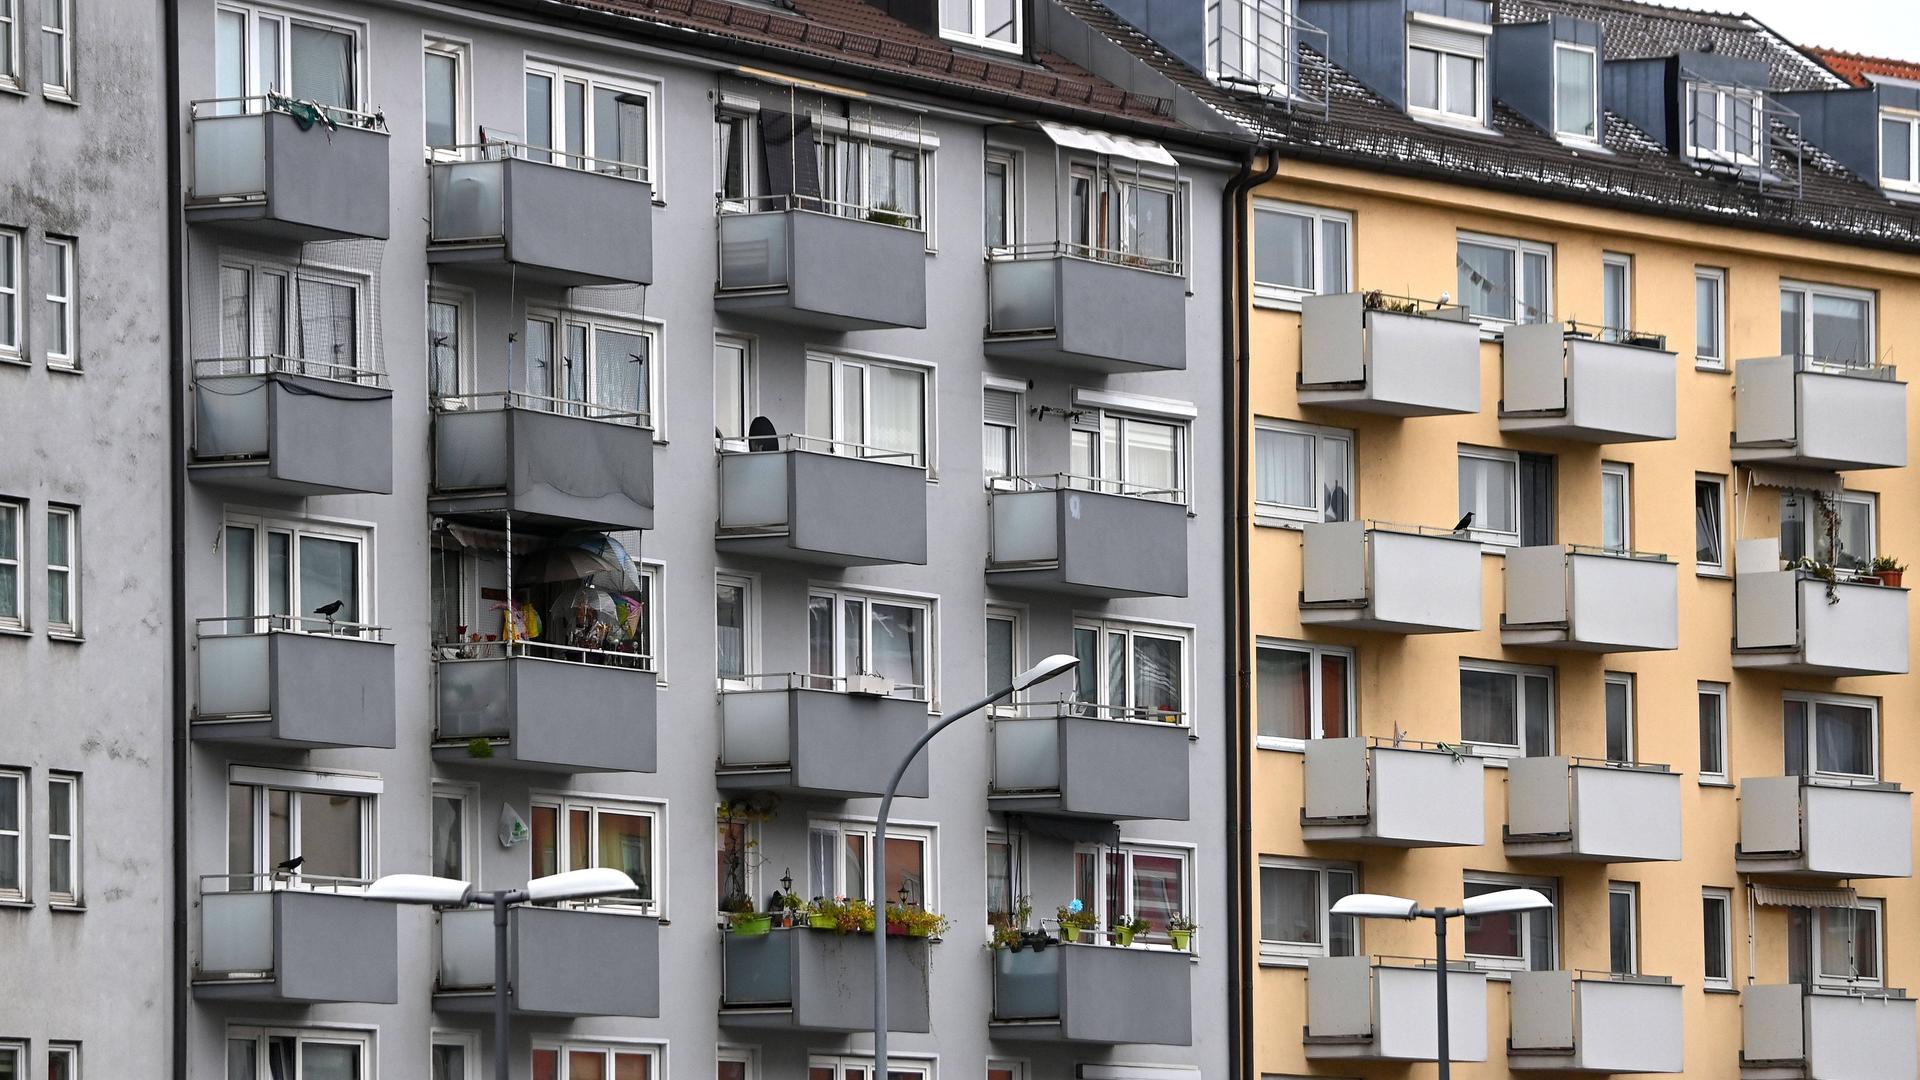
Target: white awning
1099, 142
1808, 897
1784, 476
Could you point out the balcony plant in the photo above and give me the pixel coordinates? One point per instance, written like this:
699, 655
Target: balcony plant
823, 914
889, 214
1075, 918
1126, 927
1180, 928
750, 923
1814, 568
1375, 300
1889, 570
915, 921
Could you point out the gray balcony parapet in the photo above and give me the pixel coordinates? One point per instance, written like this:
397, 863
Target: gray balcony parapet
1794, 621
288, 426
1595, 1022
551, 462
821, 980
1396, 356
1819, 414
1397, 794
819, 735
1584, 387
1381, 1008
1788, 1030
1827, 827
1087, 537
1086, 310
1078, 760
258, 168
293, 683
1591, 810
1396, 579
1093, 993
544, 215
546, 708
811, 500
288, 939
1589, 599
569, 961
804, 260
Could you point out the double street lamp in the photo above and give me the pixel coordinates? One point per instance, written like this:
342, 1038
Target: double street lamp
1379, 906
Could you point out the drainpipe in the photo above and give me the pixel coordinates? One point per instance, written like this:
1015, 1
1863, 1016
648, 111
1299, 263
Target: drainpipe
1236, 380
176, 521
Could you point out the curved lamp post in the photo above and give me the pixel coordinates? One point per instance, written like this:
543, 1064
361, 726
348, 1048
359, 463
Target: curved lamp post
1379, 906
448, 893
1046, 669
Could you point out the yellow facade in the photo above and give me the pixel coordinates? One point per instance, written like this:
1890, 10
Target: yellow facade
1403, 242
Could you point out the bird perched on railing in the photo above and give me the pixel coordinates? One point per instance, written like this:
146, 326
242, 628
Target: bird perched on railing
329, 610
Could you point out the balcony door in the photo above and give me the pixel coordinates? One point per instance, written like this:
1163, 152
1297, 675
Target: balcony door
280, 575
1130, 455
588, 367
269, 311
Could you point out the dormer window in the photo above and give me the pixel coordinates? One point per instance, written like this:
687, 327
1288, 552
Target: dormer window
992, 24
1900, 150
1723, 123
1447, 70
1251, 41
1576, 93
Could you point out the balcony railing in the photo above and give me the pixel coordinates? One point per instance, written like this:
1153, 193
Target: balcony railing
1595, 1022
596, 959
1592, 810
1590, 599
546, 707
292, 426
1087, 536
1080, 760
290, 170
1821, 414
1791, 1030
1368, 352
1397, 579
1825, 827
1587, 384
815, 500
1086, 308
554, 217
806, 260
819, 735
574, 464
294, 939
276, 680
821, 980
1381, 1008
1396, 793
1093, 994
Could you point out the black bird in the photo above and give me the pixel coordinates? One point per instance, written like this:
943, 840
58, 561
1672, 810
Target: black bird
329, 609
1464, 523
290, 865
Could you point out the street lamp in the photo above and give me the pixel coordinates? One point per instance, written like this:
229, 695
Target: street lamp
1046, 669
1378, 906
446, 892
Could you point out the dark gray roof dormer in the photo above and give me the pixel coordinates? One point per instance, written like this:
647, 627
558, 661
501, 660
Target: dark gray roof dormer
1650, 93
1368, 38
1178, 26
1846, 123
1523, 63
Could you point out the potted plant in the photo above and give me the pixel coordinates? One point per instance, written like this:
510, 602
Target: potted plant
791, 908
1814, 568
750, 923
1126, 927
1180, 928
914, 921
1888, 569
1074, 919
889, 214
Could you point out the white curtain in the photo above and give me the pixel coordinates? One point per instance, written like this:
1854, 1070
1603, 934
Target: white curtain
323, 66
899, 402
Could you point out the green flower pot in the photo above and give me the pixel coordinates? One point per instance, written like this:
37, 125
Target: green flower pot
1182, 939
753, 925
1070, 933
822, 922
1125, 936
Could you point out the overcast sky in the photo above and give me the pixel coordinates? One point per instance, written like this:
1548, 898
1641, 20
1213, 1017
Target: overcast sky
1875, 27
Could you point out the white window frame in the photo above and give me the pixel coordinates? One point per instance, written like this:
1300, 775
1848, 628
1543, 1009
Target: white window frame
1128, 709
462, 302
1015, 433
1276, 949
1630, 890
16, 560
926, 835
300, 619
1316, 689
562, 1049
1812, 700
1094, 424
856, 1067
1809, 290
1627, 681
1612, 263
62, 302
1912, 121
975, 33
1482, 62
1719, 151
563, 802
749, 628
1274, 513
460, 52
73, 838
297, 783
1717, 279
1810, 538
743, 116
68, 627
589, 158
1014, 1070
10, 58
564, 320
1517, 672
292, 278
1127, 848
302, 1037
1723, 897
251, 84
1524, 921
1560, 49
468, 796
742, 1055
1620, 475
469, 1044
845, 146
21, 837
735, 350
1716, 691
1016, 618
12, 288
1479, 531
858, 444
1318, 217
929, 644
68, 1052
1008, 160
1719, 486
1518, 250
1863, 904
1106, 180
61, 90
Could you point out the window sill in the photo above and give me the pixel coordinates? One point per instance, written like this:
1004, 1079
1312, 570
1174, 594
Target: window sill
1708, 781
1276, 303
1267, 521
67, 639
65, 367
18, 905
15, 359
1448, 122
1705, 367
1281, 746
58, 96
1713, 575
16, 631
1271, 960
8, 86
67, 909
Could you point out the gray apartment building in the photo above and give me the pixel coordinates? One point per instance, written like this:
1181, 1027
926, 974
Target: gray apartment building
608, 434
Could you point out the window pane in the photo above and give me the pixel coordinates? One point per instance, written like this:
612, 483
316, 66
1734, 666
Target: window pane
1575, 79
1845, 935
999, 653
619, 132
1486, 280
995, 231
1840, 329
897, 648
1487, 492
442, 98
587, 1065
229, 57
1423, 79
1613, 295
1283, 468
1619, 703
1793, 315
1613, 511
545, 853
730, 630
1335, 712
1156, 674
1706, 317
1000, 897
1289, 905
323, 66
1158, 889
329, 1061
999, 23
1537, 704
1712, 753
1896, 150
1706, 118
1343, 931
899, 411
330, 835
906, 870
1283, 692
1713, 920
329, 571
626, 844
1707, 536
1843, 739
1855, 534
1535, 305
449, 1062
1492, 935
449, 852
1463, 85
1488, 708
1335, 476
1620, 944
540, 115
1283, 249
573, 123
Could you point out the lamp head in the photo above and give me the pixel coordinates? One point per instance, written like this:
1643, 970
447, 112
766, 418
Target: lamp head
580, 885
420, 889
1504, 901
1045, 669
1375, 906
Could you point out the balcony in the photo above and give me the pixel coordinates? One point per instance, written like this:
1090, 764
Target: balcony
832, 504
1050, 535
1593, 811
819, 735
1793, 621
265, 943
1414, 794
1595, 1022
1796, 410
821, 980
260, 169
282, 426
1792, 1032
1072, 760
1093, 994
563, 463
261, 682
1570, 385
532, 212
1585, 599
1823, 827
812, 263
562, 961
1368, 358
1070, 306
1396, 579
545, 708
1362, 1008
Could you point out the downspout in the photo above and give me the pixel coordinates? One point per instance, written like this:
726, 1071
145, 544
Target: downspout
176, 259
1236, 379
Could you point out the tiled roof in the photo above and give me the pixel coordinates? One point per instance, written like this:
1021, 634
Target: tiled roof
1855, 68
1636, 31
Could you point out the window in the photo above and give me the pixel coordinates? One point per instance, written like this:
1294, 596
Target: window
606, 364
302, 314
849, 635
1302, 473
453, 1055
1130, 455
596, 1061
732, 391
1505, 710
1845, 538
1709, 524
324, 820
13, 844
1001, 205
1006, 648
1502, 280
1514, 941
1713, 733
1616, 295
1446, 71
1132, 217
1623, 927
865, 408
287, 1054
1004, 1070
450, 852
1899, 144
9, 44
62, 350
1834, 945
1509, 496
63, 839
1724, 124
859, 1068
10, 313
880, 181
732, 606
1133, 671
838, 864
56, 47
600, 833
1716, 932
1618, 688
259, 51
1827, 323
1616, 506
1006, 877
444, 101
449, 354
589, 123
738, 171
1141, 880
1000, 434
63, 584
1294, 902
1576, 93
1299, 250
1710, 318
63, 1061
13, 602
1303, 692
992, 23
279, 574
1829, 735
737, 840
738, 1063
1252, 41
